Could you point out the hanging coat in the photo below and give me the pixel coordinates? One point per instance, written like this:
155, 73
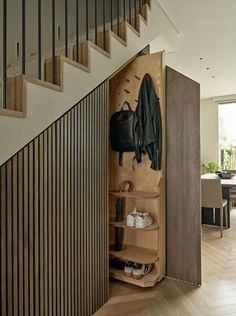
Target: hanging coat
149, 125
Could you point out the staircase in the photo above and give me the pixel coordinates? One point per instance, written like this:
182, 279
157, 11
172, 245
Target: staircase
34, 104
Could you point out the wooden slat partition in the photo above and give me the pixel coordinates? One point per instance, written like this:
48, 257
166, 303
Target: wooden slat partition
53, 217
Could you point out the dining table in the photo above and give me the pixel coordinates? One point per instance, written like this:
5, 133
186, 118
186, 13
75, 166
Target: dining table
207, 213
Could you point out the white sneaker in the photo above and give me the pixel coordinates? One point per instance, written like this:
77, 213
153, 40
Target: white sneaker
131, 218
137, 271
128, 269
143, 220
140, 270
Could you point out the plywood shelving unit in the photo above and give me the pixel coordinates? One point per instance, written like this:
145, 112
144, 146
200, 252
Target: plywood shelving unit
147, 281
140, 245
123, 225
136, 254
136, 194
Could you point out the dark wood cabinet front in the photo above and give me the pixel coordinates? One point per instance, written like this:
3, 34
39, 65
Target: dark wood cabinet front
183, 178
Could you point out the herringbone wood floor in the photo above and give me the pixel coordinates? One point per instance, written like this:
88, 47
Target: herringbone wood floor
216, 296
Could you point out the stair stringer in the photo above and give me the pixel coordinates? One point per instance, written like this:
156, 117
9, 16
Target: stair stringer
46, 103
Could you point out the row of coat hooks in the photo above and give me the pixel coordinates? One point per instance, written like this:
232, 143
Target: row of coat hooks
128, 80
135, 100
135, 76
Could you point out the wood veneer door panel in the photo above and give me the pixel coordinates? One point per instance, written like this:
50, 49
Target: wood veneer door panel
183, 178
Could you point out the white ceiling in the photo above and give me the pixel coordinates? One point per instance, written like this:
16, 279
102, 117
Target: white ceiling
207, 29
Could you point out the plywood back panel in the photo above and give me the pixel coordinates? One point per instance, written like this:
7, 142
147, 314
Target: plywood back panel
125, 86
183, 178
53, 217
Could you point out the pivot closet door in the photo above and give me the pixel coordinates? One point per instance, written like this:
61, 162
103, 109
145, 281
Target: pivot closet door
183, 178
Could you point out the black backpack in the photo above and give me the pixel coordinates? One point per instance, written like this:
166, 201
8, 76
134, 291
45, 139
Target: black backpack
122, 133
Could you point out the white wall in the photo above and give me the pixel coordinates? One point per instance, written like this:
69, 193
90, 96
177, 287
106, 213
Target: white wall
209, 127
209, 131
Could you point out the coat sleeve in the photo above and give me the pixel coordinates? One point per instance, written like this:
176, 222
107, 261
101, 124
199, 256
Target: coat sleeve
137, 136
159, 135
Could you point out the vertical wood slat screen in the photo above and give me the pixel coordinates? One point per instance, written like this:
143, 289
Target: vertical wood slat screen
53, 217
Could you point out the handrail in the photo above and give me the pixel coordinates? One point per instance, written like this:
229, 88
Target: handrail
81, 20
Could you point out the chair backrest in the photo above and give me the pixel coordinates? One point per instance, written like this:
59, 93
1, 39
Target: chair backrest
211, 193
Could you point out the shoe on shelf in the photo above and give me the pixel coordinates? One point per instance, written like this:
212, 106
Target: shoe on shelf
147, 268
128, 269
137, 271
143, 220
131, 218
140, 270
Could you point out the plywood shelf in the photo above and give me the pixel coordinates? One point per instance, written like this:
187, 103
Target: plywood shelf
122, 224
148, 280
136, 194
136, 254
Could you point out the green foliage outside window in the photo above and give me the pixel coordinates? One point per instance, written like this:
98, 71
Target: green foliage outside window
211, 167
227, 161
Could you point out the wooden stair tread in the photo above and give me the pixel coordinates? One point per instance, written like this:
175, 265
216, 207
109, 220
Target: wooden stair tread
12, 113
143, 19
132, 28
75, 64
101, 50
43, 83
136, 254
122, 41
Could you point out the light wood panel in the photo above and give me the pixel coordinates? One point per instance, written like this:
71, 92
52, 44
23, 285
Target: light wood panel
136, 194
183, 178
123, 225
136, 254
148, 280
53, 217
149, 185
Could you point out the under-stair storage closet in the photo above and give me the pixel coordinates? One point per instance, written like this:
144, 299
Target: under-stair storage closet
140, 245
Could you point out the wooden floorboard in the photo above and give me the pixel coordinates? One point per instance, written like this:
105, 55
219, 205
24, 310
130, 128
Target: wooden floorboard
216, 296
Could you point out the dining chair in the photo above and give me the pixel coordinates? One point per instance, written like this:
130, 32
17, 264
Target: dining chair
232, 197
212, 198
232, 191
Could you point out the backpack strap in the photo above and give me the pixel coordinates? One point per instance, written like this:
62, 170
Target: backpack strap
133, 163
120, 158
128, 105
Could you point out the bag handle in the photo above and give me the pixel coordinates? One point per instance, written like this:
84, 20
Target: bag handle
122, 186
128, 105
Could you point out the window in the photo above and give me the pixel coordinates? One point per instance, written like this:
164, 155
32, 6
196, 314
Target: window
227, 135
